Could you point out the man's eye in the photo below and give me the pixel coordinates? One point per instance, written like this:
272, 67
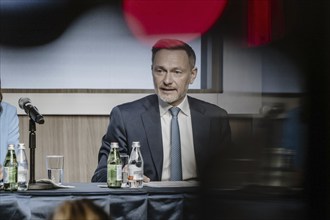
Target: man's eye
159, 71
177, 71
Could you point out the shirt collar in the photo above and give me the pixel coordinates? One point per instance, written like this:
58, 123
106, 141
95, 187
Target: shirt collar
164, 106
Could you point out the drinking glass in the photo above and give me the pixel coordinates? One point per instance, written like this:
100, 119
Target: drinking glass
124, 162
55, 166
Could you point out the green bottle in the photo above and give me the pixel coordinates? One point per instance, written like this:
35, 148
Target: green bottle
10, 170
114, 177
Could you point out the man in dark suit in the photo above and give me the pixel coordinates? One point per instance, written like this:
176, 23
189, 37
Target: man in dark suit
204, 127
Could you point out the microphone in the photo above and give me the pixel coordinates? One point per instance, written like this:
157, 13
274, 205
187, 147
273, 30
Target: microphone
32, 111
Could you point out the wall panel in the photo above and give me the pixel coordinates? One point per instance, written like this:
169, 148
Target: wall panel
78, 138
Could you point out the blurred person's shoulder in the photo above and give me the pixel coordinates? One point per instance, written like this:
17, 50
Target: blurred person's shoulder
8, 108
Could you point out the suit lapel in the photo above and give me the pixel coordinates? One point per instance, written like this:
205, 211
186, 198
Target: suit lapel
152, 127
201, 131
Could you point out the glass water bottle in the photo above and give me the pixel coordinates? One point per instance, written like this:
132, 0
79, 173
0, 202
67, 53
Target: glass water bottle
135, 167
10, 169
114, 167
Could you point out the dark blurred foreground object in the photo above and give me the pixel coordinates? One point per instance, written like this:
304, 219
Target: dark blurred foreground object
81, 209
33, 22
29, 23
244, 188
277, 168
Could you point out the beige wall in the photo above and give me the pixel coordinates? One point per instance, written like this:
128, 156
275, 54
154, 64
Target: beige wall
78, 138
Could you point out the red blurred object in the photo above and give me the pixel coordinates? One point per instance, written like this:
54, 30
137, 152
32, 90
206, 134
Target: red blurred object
265, 21
150, 19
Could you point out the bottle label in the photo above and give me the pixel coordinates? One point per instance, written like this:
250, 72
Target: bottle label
21, 174
119, 172
115, 172
135, 173
9, 175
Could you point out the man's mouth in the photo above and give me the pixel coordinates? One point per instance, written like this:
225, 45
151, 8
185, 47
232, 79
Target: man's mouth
167, 89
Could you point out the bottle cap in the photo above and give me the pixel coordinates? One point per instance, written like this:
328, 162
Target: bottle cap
21, 146
114, 145
136, 144
11, 147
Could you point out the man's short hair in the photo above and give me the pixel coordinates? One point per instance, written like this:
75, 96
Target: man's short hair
173, 44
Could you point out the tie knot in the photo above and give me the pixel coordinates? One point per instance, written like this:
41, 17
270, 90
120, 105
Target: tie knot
174, 111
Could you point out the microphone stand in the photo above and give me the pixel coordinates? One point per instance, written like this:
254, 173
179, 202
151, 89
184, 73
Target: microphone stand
32, 145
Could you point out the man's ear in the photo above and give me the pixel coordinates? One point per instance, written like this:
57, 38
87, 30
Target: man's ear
193, 75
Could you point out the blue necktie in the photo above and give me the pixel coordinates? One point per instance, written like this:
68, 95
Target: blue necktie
176, 168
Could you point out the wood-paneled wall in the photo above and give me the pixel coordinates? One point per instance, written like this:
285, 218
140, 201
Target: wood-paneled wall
78, 138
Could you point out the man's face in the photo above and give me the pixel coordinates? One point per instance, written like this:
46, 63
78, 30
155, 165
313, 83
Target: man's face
172, 74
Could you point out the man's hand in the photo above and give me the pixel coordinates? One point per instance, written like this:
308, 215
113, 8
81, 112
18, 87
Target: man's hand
146, 179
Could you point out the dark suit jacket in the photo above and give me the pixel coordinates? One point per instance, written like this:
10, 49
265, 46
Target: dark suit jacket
140, 121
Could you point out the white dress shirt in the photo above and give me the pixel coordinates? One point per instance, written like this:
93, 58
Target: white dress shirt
186, 137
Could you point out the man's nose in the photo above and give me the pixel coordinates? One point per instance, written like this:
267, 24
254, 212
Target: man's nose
168, 79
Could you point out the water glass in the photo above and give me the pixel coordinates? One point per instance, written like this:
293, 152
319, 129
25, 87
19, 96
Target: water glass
124, 162
55, 166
